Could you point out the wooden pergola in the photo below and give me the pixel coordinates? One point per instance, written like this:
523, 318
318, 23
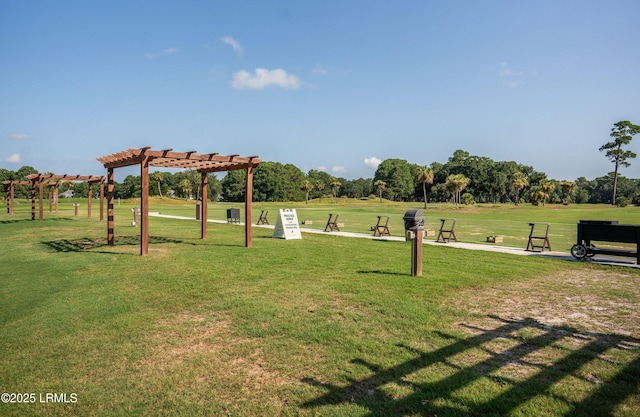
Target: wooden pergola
52, 181
202, 163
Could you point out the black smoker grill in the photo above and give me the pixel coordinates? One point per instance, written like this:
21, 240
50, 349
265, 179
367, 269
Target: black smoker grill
605, 231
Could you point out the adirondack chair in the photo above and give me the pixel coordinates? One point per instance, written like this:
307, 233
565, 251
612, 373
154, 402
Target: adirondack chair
381, 229
332, 224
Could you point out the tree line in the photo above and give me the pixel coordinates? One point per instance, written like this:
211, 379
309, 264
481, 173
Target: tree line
463, 179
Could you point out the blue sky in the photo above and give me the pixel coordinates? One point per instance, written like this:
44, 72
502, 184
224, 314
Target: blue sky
331, 85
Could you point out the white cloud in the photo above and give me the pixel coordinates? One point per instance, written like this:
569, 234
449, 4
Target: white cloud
322, 168
372, 162
319, 70
234, 44
264, 78
168, 51
339, 169
509, 76
15, 158
19, 136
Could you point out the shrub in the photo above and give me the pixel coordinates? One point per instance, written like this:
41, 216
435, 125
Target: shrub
467, 198
622, 201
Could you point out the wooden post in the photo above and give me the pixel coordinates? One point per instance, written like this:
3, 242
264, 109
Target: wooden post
57, 197
50, 187
41, 194
101, 200
110, 222
247, 207
10, 195
144, 206
89, 200
33, 200
416, 256
203, 207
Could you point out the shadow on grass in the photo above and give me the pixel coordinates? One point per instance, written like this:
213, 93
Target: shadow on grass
85, 244
381, 272
29, 220
442, 396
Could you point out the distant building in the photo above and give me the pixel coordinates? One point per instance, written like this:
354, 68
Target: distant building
67, 194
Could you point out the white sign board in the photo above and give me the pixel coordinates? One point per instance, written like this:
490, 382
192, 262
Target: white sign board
287, 225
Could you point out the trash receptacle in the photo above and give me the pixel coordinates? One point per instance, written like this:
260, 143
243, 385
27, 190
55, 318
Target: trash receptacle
198, 211
414, 228
233, 215
413, 221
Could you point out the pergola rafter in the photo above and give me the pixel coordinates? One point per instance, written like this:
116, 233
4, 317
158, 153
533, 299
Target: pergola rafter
167, 158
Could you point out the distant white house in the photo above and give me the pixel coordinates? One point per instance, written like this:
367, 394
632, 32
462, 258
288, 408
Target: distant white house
67, 194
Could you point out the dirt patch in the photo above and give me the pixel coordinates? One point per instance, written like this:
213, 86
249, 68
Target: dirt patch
207, 346
596, 300
586, 316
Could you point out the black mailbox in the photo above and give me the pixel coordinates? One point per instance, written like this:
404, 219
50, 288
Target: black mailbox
413, 219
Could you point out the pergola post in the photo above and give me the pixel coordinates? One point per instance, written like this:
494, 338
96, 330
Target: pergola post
8, 190
33, 200
110, 222
144, 206
56, 195
247, 207
203, 207
41, 199
50, 188
101, 200
89, 199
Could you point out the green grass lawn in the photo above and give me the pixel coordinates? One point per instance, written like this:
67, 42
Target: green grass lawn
320, 326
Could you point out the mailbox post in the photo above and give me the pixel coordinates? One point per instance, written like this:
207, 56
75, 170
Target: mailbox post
414, 229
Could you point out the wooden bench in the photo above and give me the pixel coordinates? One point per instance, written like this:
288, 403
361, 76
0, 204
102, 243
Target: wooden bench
332, 223
538, 239
381, 229
263, 217
447, 227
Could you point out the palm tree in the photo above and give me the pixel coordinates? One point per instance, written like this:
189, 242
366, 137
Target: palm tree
567, 188
335, 186
320, 186
455, 184
157, 177
547, 187
195, 178
380, 186
307, 187
185, 187
518, 183
424, 176
537, 195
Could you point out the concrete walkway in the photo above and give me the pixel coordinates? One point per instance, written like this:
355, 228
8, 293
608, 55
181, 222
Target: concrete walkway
602, 260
